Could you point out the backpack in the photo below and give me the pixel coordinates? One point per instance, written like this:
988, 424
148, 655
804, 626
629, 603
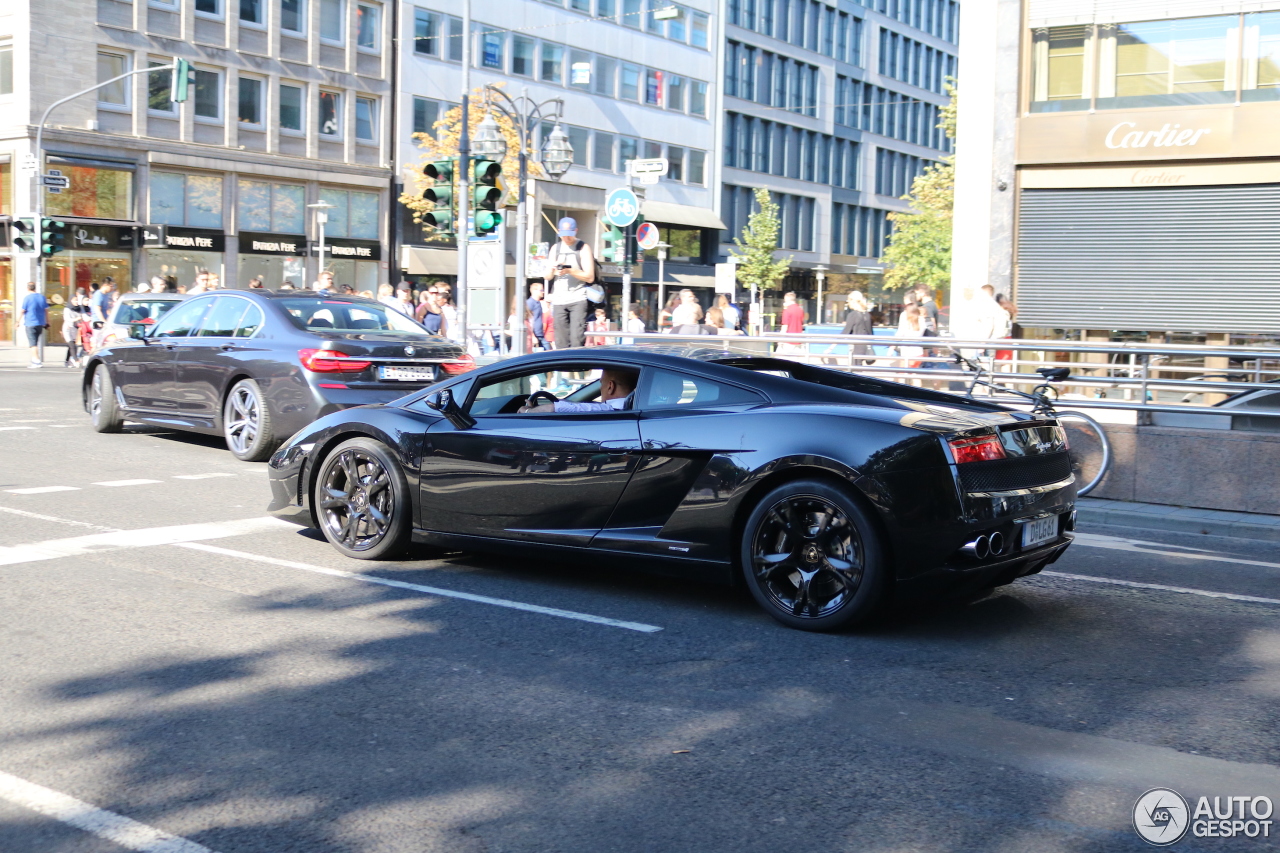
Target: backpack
594, 292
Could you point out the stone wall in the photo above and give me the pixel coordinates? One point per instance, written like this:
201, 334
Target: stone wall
1208, 469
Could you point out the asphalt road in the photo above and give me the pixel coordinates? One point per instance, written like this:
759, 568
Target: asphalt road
203, 677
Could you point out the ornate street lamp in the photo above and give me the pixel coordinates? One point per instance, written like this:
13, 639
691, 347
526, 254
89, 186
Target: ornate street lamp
488, 141
557, 153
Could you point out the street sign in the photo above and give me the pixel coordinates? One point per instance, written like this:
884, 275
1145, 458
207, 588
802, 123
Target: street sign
652, 166
726, 278
647, 235
611, 269
30, 164
621, 207
56, 180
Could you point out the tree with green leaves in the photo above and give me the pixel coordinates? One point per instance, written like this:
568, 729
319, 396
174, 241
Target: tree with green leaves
757, 243
919, 250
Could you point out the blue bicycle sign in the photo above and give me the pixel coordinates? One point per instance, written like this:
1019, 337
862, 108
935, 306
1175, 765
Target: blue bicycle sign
621, 207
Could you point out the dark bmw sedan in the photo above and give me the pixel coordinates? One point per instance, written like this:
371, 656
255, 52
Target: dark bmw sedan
257, 366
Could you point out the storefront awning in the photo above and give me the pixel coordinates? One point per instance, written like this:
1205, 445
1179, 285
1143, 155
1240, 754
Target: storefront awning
680, 214
415, 260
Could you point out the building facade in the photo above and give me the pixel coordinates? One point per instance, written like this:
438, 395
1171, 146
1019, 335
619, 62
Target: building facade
833, 107
1123, 183
288, 108
635, 85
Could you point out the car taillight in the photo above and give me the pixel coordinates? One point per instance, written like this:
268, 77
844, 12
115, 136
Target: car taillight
980, 449
331, 361
461, 364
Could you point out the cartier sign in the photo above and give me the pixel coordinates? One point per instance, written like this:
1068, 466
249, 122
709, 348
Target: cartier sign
1184, 133
1125, 135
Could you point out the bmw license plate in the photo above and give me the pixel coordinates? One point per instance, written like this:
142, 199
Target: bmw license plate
1039, 531
407, 374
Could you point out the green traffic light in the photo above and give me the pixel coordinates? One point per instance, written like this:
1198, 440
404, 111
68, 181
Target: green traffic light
486, 222
441, 195
53, 237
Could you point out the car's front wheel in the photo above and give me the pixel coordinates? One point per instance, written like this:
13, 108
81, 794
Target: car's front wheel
812, 557
104, 411
362, 500
246, 422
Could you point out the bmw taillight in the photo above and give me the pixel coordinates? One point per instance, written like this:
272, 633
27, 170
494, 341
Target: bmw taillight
981, 449
461, 364
331, 361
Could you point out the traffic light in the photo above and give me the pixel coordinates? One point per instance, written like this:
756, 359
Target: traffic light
441, 195
24, 239
637, 254
615, 240
53, 237
486, 196
184, 77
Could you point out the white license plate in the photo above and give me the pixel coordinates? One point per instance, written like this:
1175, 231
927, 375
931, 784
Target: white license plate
1039, 531
407, 374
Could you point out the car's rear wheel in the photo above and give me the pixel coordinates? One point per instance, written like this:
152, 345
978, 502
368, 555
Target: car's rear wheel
362, 501
246, 422
812, 557
104, 411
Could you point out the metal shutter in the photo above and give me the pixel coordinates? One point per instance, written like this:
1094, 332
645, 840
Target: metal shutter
1195, 259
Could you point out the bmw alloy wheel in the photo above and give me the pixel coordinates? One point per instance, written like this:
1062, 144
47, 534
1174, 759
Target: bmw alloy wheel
246, 419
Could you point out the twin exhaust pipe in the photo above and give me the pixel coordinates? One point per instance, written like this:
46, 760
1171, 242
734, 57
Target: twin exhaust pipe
986, 545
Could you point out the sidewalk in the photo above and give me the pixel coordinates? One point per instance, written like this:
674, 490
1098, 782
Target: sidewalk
1212, 522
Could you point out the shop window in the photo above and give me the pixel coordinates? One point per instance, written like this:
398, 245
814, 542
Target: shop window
6, 69
194, 201
208, 99
263, 206
250, 112
95, 192
366, 119
328, 116
368, 26
685, 244
160, 89
354, 214
293, 16
331, 23
113, 65
6, 189
290, 107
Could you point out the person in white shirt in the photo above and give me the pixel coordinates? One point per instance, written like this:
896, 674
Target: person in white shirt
571, 269
616, 388
688, 312
386, 295
732, 317
635, 325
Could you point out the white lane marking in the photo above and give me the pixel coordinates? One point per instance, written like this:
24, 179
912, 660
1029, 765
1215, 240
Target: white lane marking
40, 490
199, 476
54, 549
62, 426
114, 827
41, 517
1206, 593
7, 429
429, 590
126, 482
1139, 546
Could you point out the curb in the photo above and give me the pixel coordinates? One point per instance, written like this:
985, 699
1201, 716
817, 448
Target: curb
1207, 522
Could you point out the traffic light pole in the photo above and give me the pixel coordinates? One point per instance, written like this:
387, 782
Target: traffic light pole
463, 231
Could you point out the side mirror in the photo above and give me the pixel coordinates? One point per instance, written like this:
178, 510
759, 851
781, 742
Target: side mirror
138, 331
444, 403
97, 324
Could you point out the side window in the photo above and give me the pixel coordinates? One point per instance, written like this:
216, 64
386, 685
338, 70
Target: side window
223, 319
181, 321
505, 395
668, 389
250, 323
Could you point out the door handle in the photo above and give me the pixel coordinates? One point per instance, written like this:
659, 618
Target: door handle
626, 445
229, 347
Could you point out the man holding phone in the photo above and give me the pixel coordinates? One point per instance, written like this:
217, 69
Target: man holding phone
571, 271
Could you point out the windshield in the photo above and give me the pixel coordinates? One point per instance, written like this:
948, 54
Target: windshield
143, 311
318, 313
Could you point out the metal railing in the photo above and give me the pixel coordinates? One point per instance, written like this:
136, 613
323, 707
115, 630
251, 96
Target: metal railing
1138, 373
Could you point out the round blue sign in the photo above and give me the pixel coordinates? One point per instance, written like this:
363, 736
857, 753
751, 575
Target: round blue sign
621, 207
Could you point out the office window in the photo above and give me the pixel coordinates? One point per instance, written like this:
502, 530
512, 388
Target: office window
697, 168
331, 23
606, 74
580, 5
676, 87
290, 107
492, 44
293, 15
425, 114
1262, 63
328, 116
628, 149
209, 7
1059, 67
368, 26
194, 201
606, 8
652, 150
522, 56
602, 151
208, 94
631, 13
251, 12
160, 88
552, 70
426, 32
1169, 62
6, 69
651, 22
580, 70
113, 65
366, 119
250, 111
677, 28
580, 142
629, 87
698, 98
653, 87
675, 163
455, 39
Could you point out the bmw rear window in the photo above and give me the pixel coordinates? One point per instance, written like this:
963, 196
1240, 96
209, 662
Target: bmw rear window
323, 314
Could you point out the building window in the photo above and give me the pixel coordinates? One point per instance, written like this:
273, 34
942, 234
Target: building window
491, 45
366, 119
676, 29
455, 39
699, 25
328, 116
602, 151
368, 26
606, 74
1059, 63
354, 214
697, 171
96, 192
675, 92
250, 111
212, 8
251, 12
275, 208
1168, 62
629, 88
208, 98
425, 114
426, 33
160, 88
113, 65
580, 141
580, 70
631, 13
552, 63
606, 8
6, 69
293, 15
290, 107
653, 87
522, 56
331, 23
628, 149
191, 200
698, 98
675, 163
1262, 57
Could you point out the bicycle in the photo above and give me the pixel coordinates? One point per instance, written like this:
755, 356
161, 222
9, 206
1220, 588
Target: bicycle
1087, 442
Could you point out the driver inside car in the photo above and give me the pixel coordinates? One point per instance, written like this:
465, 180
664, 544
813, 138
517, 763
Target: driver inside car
616, 388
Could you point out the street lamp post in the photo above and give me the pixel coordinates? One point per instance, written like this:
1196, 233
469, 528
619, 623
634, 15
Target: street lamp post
662, 283
322, 209
557, 156
821, 272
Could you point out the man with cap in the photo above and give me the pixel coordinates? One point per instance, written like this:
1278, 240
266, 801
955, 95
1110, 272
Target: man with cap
571, 267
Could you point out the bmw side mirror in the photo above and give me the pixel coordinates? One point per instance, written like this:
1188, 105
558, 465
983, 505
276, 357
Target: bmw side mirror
444, 403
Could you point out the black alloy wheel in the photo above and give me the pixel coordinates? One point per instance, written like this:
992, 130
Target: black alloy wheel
811, 557
362, 500
104, 411
246, 423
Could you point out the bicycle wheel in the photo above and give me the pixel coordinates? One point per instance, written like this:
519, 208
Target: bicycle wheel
1089, 448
